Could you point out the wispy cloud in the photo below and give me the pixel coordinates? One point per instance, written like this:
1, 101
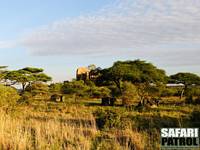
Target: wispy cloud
7, 44
127, 24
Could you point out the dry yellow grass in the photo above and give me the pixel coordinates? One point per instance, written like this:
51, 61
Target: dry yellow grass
26, 129
59, 126
22, 133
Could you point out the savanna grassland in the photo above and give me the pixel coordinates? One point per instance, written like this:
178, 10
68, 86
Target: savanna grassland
118, 108
86, 125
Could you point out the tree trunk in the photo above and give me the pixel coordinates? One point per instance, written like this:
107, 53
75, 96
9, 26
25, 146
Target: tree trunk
117, 82
23, 87
183, 91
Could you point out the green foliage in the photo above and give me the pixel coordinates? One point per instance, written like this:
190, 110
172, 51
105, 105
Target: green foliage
129, 94
85, 89
3, 67
8, 96
155, 90
26, 76
37, 90
166, 92
190, 93
134, 71
42, 77
107, 119
115, 92
186, 78
100, 92
196, 91
79, 88
56, 88
2, 72
33, 70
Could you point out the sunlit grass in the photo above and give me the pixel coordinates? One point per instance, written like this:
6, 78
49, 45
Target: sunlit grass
73, 126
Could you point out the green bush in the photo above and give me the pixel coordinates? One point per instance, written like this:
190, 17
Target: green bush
56, 88
8, 96
100, 92
36, 90
129, 93
78, 88
196, 91
170, 92
115, 92
107, 119
88, 89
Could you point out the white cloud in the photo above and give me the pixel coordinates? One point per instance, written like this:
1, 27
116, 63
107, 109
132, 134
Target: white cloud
128, 24
7, 44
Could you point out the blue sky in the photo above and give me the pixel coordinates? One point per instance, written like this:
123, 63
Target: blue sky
61, 35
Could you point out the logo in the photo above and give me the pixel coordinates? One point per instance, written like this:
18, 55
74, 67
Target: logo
180, 138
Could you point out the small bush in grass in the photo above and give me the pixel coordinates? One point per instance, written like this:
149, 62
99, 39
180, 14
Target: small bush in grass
129, 94
110, 119
107, 119
8, 96
98, 92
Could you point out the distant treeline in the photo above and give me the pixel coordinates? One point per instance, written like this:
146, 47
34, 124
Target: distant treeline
131, 81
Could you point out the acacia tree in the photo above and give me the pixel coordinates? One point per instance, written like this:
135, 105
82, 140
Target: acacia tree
187, 79
134, 71
26, 76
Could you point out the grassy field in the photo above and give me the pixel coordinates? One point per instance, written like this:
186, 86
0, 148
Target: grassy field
86, 125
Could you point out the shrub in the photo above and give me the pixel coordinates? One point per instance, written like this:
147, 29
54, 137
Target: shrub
78, 88
169, 92
196, 91
190, 93
55, 88
107, 119
8, 96
36, 90
115, 92
100, 92
129, 94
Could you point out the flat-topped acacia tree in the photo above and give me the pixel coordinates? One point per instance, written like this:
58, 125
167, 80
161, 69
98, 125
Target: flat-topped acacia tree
26, 76
133, 71
187, 79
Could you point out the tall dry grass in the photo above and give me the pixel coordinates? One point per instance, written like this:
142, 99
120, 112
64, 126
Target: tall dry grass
21, 133
32, 130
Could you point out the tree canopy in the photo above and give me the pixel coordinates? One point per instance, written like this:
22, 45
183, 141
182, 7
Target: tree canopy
26, 76
134, 71
186, 78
